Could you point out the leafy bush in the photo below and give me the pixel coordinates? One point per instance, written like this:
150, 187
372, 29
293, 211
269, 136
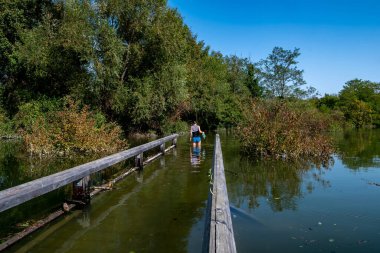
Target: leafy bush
72, 129
279, 129
29, 113
6, 126
175, 127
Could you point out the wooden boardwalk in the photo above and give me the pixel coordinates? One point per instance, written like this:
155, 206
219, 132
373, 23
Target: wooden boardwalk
219, 234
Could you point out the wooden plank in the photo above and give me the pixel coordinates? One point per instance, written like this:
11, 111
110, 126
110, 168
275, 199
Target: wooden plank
19, 194
219, 234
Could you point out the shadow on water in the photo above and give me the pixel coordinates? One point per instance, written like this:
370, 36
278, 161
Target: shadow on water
240, 216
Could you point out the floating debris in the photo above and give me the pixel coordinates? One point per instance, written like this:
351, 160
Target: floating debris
331, 240
23, 225
294, 238
319, 223
362, 241
372, 183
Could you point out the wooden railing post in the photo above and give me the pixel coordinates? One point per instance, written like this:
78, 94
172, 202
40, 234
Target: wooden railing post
81, 191
139, 161
162, 148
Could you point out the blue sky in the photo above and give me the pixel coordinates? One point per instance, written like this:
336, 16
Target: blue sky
339, 40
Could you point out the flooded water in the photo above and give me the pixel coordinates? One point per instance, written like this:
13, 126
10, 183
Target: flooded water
275, 206
282, 207
158, 210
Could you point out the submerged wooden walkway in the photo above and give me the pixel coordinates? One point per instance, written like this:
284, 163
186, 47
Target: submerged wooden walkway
218, 234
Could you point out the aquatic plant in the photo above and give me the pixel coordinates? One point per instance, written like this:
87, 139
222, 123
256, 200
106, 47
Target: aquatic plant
284, 130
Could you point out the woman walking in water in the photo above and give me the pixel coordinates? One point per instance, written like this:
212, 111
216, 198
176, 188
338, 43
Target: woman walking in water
195, 134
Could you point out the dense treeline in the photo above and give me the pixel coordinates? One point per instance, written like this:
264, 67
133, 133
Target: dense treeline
358, 103
134, 61
137, 64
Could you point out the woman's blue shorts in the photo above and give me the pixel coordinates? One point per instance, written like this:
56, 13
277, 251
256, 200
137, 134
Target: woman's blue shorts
197, 139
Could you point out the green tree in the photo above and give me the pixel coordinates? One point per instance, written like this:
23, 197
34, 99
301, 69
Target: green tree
360, 102
327, 102
279, 73
208, 86
252, 81
153, 81
16, 17
237, 74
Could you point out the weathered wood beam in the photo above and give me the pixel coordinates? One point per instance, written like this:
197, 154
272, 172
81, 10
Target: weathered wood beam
19, 194
139, 161
162, 148
219, 234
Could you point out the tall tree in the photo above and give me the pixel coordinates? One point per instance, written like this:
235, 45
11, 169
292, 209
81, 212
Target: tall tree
237, 73
279, 73
16, 17
252, 81
360, 102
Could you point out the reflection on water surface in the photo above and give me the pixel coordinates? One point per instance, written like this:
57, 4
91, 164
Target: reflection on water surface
300, 207
276, 206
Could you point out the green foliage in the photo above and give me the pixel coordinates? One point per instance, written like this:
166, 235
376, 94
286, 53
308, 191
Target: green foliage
359, 113
327, 103
252, 81
30, 112
175, 127
360, 102
280, 129
237, 70
6, 125
137, 63
15, 17
280, 76
230, 111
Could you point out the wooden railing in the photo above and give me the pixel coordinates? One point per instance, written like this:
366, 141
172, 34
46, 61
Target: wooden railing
19, 194
219, 234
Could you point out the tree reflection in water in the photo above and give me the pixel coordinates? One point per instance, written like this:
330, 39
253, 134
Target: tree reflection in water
279, 182
359, 148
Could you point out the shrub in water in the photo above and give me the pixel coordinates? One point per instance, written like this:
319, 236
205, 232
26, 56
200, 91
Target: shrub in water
275, 129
